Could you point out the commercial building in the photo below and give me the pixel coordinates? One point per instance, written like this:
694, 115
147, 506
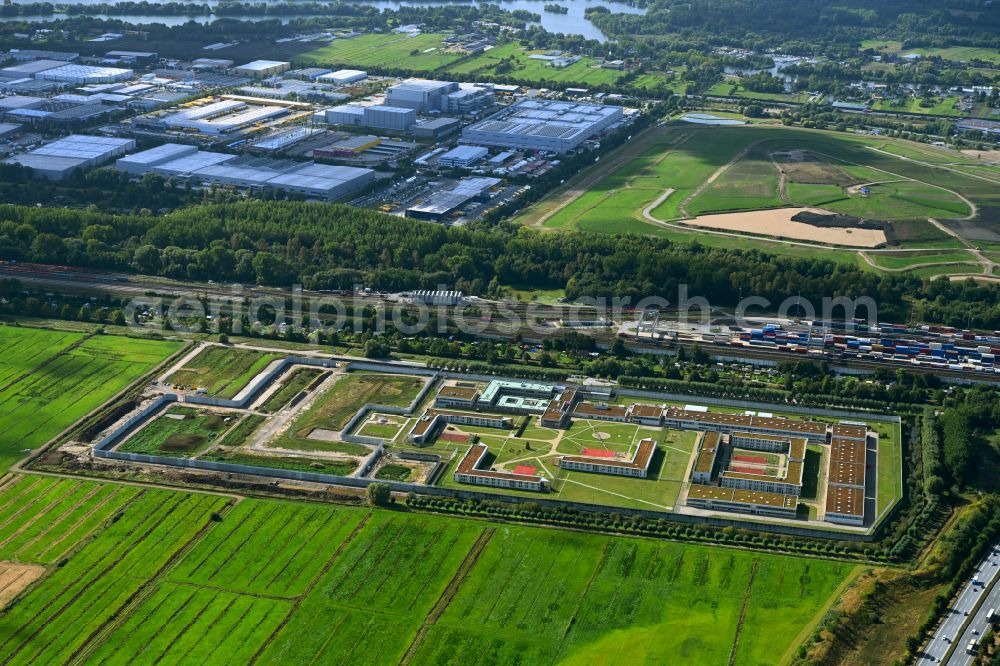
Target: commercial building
9, 129
543, 125
377, 117
469, 99
435, 128
316, 180
80, 74
131, 57
715, 498
350, 147
342, 77
421, 95
261, 69
30, 69
431, 297
441, 204
470, 470
142, 162
60, 158
389, 118
637, 467
462, 157
22, 55
221, 117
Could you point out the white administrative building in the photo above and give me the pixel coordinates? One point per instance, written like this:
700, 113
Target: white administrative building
543, 125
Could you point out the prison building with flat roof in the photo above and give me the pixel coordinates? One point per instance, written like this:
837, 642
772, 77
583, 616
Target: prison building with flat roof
651, 415
463, 397
708, 452
601, 411
850, 431
427, 425
759, 503
789, 484
637, 467
557, 414
470, 471
846, 475
845, 505
689, 419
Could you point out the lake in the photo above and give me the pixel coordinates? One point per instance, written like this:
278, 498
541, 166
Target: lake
573, 22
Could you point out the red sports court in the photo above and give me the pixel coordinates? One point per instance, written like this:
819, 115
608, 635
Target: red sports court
527, 470
598, 453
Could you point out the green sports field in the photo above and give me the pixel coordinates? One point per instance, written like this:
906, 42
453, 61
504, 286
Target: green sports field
191, 578
51, 379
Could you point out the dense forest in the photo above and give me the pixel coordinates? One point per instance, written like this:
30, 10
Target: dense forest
337, 247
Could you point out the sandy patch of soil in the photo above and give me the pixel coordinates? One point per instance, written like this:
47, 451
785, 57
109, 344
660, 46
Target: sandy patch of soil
778, 223
15, 577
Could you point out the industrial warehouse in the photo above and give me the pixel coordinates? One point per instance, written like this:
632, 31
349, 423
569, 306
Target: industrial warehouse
78, 152
317, 180
543, 125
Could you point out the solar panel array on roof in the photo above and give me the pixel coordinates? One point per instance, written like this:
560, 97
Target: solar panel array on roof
543, 125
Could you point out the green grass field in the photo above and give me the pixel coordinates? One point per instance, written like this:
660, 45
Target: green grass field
586, 71
181, 578
905, 260
222, 371
298, 381
683, 160
956, 53
335, 407
49, 380
422, 53
942, 106
179, 431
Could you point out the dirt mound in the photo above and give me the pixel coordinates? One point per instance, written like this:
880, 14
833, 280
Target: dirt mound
183, 442
838, 221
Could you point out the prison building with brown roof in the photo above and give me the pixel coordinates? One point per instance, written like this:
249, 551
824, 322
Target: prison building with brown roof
601, 411
427, 425
638, 466
462, 397
469, 471
846, 475
708, 451
845, 506
759, 503
557, 414
790, 484
850, 431
651, 415
687, 419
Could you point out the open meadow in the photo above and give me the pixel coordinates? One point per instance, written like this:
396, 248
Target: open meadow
192, 578
51, 379
222, 371
888, 184
425, 52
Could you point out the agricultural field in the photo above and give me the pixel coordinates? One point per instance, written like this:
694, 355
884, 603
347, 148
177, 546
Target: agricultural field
49, 380
222, 371
191, 578
425, 52
542, 597
688, 171
55, 618
180, 431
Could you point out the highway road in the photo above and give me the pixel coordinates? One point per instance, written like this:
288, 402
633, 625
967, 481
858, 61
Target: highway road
965, 616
